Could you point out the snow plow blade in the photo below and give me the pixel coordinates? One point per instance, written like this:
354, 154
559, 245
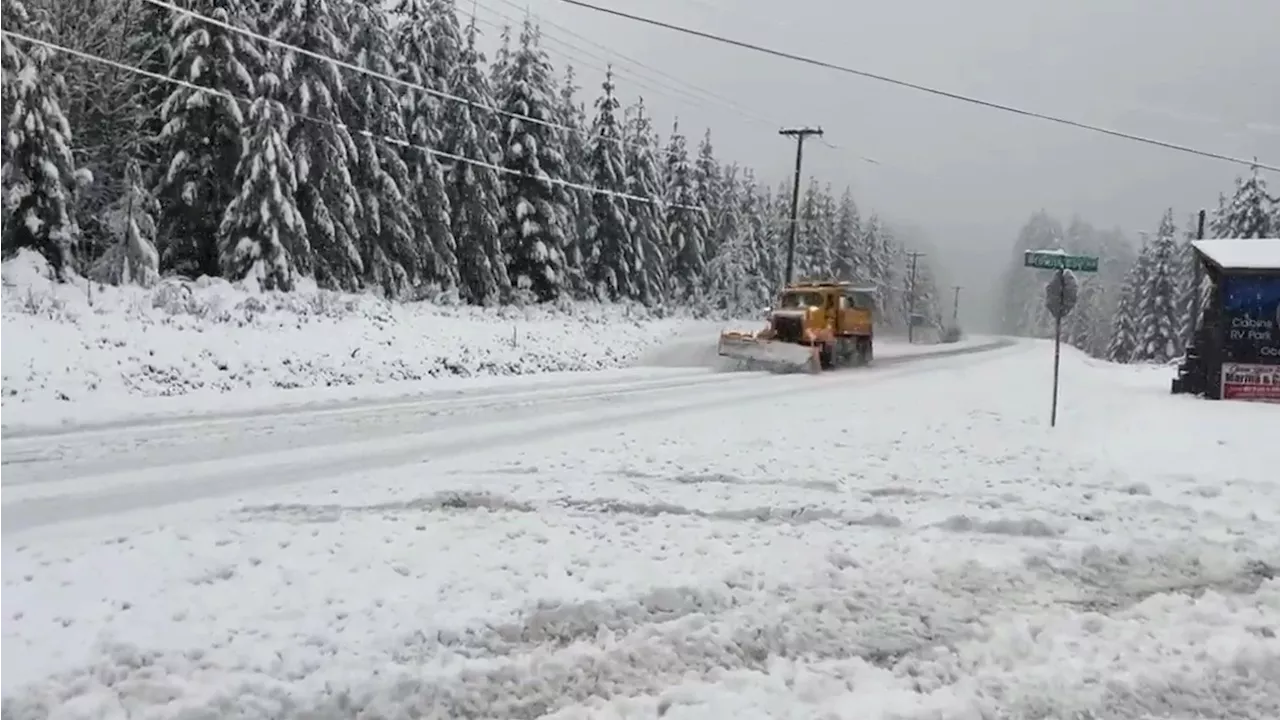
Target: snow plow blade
756, 354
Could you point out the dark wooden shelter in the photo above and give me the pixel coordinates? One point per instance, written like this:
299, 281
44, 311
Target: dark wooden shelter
1235, 350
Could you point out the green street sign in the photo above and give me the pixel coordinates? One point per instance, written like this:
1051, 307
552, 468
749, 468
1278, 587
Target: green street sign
1059, 260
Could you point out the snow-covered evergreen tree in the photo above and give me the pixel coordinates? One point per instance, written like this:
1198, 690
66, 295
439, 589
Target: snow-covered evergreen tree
323, 150
1185, 266
579, 220
880, 265
475, 189
102, 105
648, 220
708, 192
533, 226
1249, 213
387, 225
446, 42
816, 226
848, 255
420, 62
501, 67
13, 60
41, 179
735, 284
753, 224
777, 223
263, 228
203, 133
1128, 333
727, 221
148, 48
925, 304
685, 223
131, 221
611, 257
1157, 317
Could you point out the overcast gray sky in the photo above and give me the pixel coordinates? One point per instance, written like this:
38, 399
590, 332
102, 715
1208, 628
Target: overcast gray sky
1189, 71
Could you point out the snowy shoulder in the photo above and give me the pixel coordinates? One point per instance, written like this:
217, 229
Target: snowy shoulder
79, 341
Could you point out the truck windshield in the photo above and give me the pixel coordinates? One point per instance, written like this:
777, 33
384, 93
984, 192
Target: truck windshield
801, 299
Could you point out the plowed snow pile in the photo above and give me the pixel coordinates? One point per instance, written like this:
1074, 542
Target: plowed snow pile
686, 352
84, 343
910, 542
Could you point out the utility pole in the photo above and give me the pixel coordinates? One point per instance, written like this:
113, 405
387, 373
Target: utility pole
799, 134
955, 306
911, 297
1195, 285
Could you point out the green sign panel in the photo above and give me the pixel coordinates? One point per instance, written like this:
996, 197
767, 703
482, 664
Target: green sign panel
1058, 260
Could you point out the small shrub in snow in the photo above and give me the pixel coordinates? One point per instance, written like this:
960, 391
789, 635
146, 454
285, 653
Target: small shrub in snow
174, 297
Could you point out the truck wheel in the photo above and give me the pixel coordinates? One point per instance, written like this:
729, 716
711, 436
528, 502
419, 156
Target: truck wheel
864, 351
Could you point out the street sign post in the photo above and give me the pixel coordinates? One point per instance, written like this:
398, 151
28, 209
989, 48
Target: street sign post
1060, 297
1059, 260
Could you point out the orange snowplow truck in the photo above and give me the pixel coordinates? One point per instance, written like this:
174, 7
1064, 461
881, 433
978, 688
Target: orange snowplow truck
816, 326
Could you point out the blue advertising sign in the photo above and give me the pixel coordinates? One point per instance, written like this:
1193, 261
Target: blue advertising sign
1252, 309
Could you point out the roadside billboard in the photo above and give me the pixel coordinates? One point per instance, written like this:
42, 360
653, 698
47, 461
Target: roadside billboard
1249, 381
1251, 306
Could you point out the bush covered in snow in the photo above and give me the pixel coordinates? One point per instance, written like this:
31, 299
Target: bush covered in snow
72, 340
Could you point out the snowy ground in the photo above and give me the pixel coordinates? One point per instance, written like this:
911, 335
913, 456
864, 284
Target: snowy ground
75, 348
908, 541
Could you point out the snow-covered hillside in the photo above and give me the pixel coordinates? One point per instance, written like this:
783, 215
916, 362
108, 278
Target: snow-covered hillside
907, 542
80, 342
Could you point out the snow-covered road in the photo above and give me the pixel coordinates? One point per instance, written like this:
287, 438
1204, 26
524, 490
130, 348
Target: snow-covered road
54, 475
905, 542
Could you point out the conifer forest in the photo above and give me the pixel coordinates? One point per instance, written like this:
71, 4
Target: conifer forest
1138, 306
366, 148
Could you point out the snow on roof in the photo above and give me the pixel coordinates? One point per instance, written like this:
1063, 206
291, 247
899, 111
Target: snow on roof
1241, 253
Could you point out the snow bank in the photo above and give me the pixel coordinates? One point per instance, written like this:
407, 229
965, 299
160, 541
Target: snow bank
82, 341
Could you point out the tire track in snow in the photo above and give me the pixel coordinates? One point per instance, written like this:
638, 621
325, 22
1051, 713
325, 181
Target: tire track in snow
903, 617
446, 501
137, 485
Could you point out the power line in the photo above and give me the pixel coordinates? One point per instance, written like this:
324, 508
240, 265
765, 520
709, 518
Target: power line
922, 88
585, 58
695, 93
372, 136
609, 51
384, 77
630, 77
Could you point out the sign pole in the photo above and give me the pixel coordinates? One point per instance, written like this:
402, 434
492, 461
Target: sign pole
1059, 300
1057, 346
